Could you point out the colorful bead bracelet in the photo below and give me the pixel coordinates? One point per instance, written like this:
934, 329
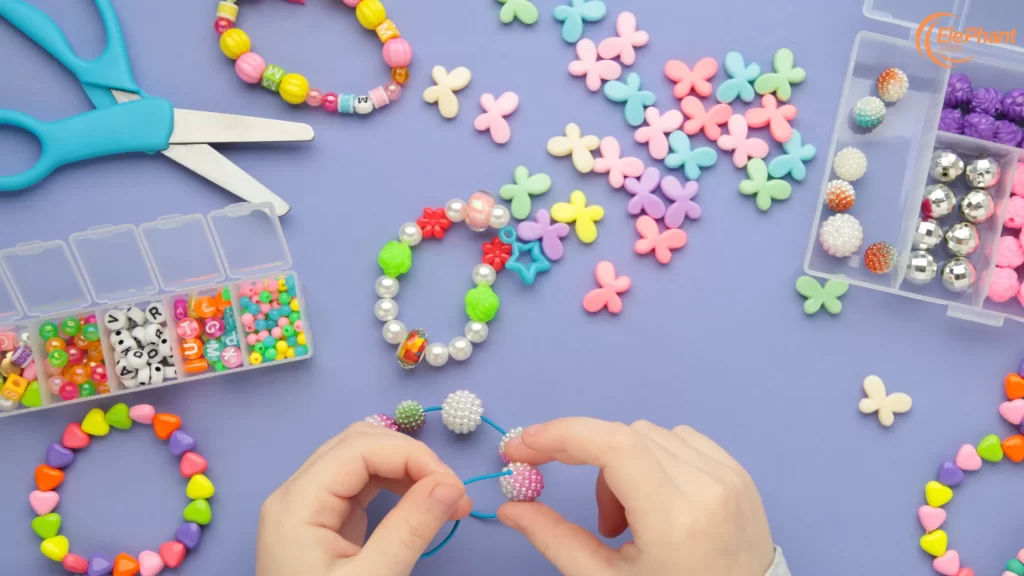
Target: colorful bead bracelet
294, 88
60, 455
462, 412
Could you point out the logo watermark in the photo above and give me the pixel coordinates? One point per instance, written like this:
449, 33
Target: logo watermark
942, 44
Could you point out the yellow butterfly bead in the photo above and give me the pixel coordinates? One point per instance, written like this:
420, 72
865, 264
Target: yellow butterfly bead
576, 210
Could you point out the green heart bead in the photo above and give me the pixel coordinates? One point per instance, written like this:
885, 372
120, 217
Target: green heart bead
117, 416
990, 448
1015, 566
47, 526
199, 512
31, 397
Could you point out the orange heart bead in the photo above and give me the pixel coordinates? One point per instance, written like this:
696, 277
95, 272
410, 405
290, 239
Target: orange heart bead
165, 424
74, 437
1014, 387
1013, 448
125, 565
48, 478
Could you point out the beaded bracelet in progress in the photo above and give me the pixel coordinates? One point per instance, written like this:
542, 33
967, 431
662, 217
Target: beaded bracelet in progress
462, 412
294, 88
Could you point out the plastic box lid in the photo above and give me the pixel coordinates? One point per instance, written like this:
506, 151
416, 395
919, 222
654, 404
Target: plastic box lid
991, 15
117, 263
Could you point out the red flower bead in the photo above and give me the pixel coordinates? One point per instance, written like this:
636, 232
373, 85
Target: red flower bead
496, 253
434, 223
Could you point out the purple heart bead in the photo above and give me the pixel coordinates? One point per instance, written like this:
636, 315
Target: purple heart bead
58, 456
189, 535
100, 565
950, 475
180, 443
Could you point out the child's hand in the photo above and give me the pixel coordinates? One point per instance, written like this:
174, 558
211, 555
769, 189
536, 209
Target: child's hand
691, 508
315, 524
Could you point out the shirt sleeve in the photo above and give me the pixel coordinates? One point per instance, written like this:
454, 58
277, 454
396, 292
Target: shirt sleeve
778, 567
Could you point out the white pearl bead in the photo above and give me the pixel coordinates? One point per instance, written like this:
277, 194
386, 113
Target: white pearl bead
395, 331
410, 234
387, 287
386, 309
460, 348
456, 210
476, 332
500, 216
436, 354
484, 275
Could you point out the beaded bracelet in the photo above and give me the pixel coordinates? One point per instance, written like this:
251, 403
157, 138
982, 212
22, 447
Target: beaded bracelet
60, 455
462, 412
294, 88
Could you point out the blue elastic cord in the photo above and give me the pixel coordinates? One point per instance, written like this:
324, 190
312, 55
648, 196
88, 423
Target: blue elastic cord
482, 515
432, 409
442, 543
493, 425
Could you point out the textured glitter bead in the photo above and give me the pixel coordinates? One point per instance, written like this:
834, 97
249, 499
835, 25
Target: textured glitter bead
525, 484
892, 85
986, 101
840, 195
1007, 133
958, 91
409, 416
880, 257
382, 420
461, 412
869, 112
841, 235
951, 120
513, 433
850, 164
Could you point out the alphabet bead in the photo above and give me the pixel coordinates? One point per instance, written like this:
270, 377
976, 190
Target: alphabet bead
136, 315
115, 320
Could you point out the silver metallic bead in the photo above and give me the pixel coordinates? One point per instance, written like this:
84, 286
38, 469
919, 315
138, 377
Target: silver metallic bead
462, 411
410, 234
476, 332
437, 354
24, 338
983, 172
456, 210
946, 165
938, 201
928, 234
513, 433
958, 275
977, 206
962, 239
387, 287
385, 309
460, 348
394, 332
921, 268
484, 275
500, 216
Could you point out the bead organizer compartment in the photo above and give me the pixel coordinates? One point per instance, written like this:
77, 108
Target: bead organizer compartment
172, 270
887, 199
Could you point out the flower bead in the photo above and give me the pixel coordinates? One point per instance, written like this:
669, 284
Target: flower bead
576, 210
496, 253
434, 223
482, 304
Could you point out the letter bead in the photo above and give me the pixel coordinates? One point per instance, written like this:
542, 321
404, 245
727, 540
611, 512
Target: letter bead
136, 358
115, 320
136, 315
154, 334
363, 105
157, 374
155, 313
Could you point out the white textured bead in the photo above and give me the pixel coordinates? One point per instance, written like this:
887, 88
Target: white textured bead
513, 433
461, 412
410, 234
476, 332
387, 287
841, 235
456, 210
385, 309
500, 216
484, 275
460, 348
850, 164
395, 331
436, 354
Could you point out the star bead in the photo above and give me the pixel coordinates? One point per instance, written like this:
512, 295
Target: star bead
610, 286
550, 235
623, 46
525, 186
434, 223
710, 120
538, 262
652, 239
682, 206
761, 188
446, 84
739, 85
655, 133
792, 162
780, 82
614, 165
576, 210
493, 118
737, 142
691, 160
579, 146
630, 94
774, 116
596, 71
573, 15
642, 190
696, 80
496, 254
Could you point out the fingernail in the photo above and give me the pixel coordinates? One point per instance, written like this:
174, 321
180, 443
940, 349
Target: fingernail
532, 430
446, 494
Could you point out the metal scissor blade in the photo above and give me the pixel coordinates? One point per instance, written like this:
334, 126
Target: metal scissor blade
195, 127
212, 165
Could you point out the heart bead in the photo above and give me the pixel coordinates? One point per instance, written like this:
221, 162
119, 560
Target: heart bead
935, 543
181, 442
165, 424
125, 565
74, 437
48, 478
967, 458
142, 413
189, 534
75, 564
1014, 387
1013, 447
931, 518
1012, 411
950, 475
990, 449
936, 494
47, 525
198, 511
32, 398
948, 564
199, 487
118, 416
55, 548
150, 563
58, 456
95, 423
192, 464
965, 572
43, 503
172, 553
100, 565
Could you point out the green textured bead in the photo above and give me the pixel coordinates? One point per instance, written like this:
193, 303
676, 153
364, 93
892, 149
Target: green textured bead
47, 330
482, 304
395, 259
272, 77
1015, 566
70, 326
409, 416
91, 332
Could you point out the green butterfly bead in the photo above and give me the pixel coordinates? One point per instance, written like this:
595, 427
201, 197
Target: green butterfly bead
819, 296
523, 10
525, 186
761, 188
780, 82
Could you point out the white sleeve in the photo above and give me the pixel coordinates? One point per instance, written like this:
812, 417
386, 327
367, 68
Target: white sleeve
778, 567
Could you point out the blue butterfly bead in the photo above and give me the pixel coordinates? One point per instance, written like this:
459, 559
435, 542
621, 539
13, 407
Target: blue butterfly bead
636, 100
741, 77
573, 15
792, 162
690, 160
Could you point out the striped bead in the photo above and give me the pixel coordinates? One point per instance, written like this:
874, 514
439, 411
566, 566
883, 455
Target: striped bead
379, 97
227, 10
345, 103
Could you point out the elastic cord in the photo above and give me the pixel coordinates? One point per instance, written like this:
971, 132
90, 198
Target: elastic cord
442, 543
482, 515
493, 425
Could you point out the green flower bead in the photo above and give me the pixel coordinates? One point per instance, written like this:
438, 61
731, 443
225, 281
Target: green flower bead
482, 304
409, 416
395, 259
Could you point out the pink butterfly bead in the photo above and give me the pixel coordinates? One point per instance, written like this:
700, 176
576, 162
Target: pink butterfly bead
616, 167
596, 71
628, 38
493, 118
697, 80
654, 134
607, 296
774, 116
709, 121
652, 239
736, 141
682, 206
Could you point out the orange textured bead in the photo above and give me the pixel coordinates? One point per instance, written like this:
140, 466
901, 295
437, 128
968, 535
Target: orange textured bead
192, 348
840, 195
95, 353
880, 257
165, 424
400, 75
387, 30
196, 365
56, 343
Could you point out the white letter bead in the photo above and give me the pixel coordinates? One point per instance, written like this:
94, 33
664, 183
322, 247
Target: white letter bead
155, 313
144, 375
124, 344
118, 335
130, 383
136, 315
154, 333
124, 369
165, 347
153, 353
170, 372
139, 333
136, 358
156, 374
115, 320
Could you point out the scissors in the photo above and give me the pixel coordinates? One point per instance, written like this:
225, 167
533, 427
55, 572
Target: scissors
127, 119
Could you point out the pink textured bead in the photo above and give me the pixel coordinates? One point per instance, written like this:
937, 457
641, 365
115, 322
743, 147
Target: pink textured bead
222, 25
1018, 186
379, 97
478, 215
1014, 213
315, 97
352, 3
397, 52
382, 420
394, 91
1004, 285
331, 102
54, 383
250, 67
524, 484
1011, 252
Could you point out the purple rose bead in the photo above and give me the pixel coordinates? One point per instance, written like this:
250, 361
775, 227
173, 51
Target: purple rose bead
958, 91
979, 126
951, 120
1007, 133
986, 101
1013, 105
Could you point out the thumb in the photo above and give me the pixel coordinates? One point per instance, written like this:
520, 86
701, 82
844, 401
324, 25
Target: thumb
571, 549
404, 534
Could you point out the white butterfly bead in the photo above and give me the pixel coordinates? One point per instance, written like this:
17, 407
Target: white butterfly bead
887, 406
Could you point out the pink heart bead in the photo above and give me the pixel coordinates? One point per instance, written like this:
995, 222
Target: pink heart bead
142, 413
931, 518
75, 564
150, 563
967, 458
1013, 411
43, 502
948, 564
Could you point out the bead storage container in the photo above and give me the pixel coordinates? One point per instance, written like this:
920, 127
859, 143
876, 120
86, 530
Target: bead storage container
136, 284
889, 196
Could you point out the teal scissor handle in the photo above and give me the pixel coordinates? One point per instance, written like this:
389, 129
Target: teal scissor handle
138, 126
112, 69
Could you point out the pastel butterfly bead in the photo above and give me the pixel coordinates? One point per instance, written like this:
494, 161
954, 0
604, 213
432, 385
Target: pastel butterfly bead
610, 286
522, 10
741, 76
652, 239
682, 206
642, 189
576, 210
737, 142
596, 71
445, 85
493, 118
623, 46
573, 15
655, 133
634, 99
708, 120
612, 163
697, 80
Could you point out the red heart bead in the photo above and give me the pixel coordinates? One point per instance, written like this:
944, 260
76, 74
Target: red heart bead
172, 553
192, 464
965, 572
75, 564
74, 437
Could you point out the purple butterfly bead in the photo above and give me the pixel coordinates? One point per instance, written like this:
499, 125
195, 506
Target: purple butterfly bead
550, 234
683, 206
644, 199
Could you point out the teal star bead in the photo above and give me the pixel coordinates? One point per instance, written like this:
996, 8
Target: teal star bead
538, 262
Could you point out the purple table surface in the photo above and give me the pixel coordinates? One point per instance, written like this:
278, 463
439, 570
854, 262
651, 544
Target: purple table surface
777, 389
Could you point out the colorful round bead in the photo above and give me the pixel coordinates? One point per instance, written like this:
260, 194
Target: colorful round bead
892, 85
382, 420
840, 195
869, 112
409, 416
524, 484
234, 43
462, 412
880, 257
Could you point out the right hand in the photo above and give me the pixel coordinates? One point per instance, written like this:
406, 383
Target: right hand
691, 507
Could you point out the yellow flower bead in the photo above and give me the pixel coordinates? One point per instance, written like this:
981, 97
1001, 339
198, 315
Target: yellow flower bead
294, 304
234, 43
255, 358
290, 353
301, 339
293, 88
371, 13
